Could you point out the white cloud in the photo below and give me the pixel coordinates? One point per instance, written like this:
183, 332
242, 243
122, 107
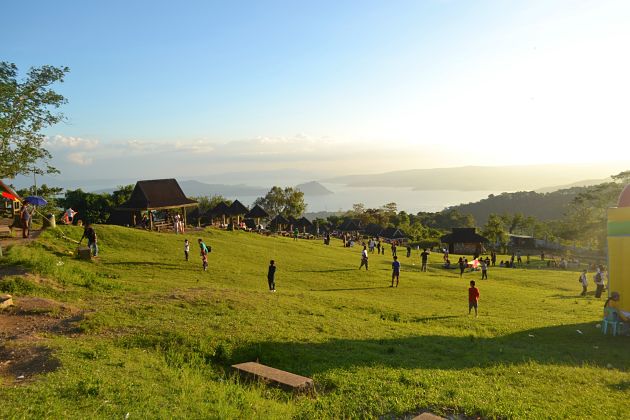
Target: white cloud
69, 142
80, 158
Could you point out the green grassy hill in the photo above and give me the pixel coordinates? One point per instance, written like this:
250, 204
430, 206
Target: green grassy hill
157, 335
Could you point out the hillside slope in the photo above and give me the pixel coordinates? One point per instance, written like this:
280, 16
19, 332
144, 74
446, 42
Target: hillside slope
156, 335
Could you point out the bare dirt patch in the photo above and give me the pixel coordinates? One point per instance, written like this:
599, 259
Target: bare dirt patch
23, 328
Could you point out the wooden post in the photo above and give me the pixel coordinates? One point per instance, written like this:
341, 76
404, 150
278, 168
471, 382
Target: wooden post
150, 219
185, 223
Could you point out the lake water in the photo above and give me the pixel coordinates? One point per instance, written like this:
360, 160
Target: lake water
411, 201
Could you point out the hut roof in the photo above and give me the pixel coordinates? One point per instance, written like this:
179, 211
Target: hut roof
238, 209
392, 233
279, 220
463, 235
256, 212
304, 222
6, 188
220, 209
350, 225
157, 194
373, 229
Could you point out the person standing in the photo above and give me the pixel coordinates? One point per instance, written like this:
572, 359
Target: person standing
203, 252
90, 234
408, 250
364, 258
271, 276
425, 256
25, 219
395, 271
583, 282
378, 247
473, 298
394, 249
186, 248
296, 232
599, 282
484, 270
493, 257
462, 266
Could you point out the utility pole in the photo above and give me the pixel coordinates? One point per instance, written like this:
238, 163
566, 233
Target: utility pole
34, 182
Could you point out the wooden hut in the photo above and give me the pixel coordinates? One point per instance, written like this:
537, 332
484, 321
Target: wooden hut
153, 195
351, 225
373, 229
238, 210
304, 224
221, 210
464, 241
11, 201
257, 213
393, 234
279, 222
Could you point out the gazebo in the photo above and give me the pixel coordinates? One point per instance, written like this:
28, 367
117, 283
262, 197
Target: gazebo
373, 229
304, 223
350, 225
257, 213
156, 194
393, 234
220, 210
278, 222
238, 210
464, 241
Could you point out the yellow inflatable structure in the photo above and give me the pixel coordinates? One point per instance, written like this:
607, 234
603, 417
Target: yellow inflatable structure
619, 249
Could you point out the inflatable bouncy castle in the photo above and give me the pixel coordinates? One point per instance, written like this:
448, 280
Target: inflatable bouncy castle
619, 252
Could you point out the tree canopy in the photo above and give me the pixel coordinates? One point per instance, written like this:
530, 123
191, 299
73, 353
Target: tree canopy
26, 108
287, 202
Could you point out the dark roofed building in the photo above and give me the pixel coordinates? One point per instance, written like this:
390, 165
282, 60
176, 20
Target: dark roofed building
237, 209
393, 233
156, 194
464, 241
373, 229
350, 225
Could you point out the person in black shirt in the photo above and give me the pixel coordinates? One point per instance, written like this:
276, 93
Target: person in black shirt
425, 256
271, 276
90, 235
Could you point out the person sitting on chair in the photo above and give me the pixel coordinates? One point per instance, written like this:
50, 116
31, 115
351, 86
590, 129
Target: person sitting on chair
613, 302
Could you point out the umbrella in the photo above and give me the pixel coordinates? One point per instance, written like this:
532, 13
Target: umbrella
35, 200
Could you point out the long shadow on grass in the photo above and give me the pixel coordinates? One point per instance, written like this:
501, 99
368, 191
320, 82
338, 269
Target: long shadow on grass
558, 345
351, 288
332, 270
143, 263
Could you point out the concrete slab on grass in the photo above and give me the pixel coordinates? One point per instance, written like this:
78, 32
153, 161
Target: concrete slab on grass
275, 376
428, 416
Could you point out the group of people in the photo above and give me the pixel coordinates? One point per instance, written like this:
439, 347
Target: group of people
204, 250
600, 279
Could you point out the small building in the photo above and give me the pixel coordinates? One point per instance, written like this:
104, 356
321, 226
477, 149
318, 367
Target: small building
521, 241
464, 241
350, 225
155, 195
392, 234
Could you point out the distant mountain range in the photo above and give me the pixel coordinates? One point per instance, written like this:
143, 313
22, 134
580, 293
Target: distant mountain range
473, 178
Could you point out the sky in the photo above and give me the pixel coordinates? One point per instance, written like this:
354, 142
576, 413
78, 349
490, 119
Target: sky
198, 88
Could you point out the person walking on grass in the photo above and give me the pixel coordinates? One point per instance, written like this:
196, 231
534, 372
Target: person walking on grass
186, 248
493, 257
408, 250
599, 281
25, 219
378, 247
484, 270
473, 298
425, 256
583, 282
394, 249
90, 234
395, 271
271, 273
462, 266
364, 258
203, 251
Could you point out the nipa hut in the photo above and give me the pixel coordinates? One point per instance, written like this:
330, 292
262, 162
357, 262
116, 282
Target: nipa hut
156, 194
464, 241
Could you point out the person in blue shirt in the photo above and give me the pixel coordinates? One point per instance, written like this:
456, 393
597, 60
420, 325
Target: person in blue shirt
395, 271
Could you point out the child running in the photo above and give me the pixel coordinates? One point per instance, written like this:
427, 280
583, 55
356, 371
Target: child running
395, 271
186, 248
473, 297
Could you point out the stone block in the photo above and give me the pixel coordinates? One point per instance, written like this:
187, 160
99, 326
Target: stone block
84, 253
275, 376
6, 301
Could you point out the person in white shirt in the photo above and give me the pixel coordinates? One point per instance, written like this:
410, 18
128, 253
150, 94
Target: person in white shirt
584, 282
364, 258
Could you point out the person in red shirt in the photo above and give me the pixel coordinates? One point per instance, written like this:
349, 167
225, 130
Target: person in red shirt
473, 297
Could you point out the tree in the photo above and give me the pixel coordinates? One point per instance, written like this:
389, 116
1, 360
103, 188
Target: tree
26, 108
207, 203
287, 202
122, 194
494, 230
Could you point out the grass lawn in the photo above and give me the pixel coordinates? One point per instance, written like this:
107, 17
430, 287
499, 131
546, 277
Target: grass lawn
157, 334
